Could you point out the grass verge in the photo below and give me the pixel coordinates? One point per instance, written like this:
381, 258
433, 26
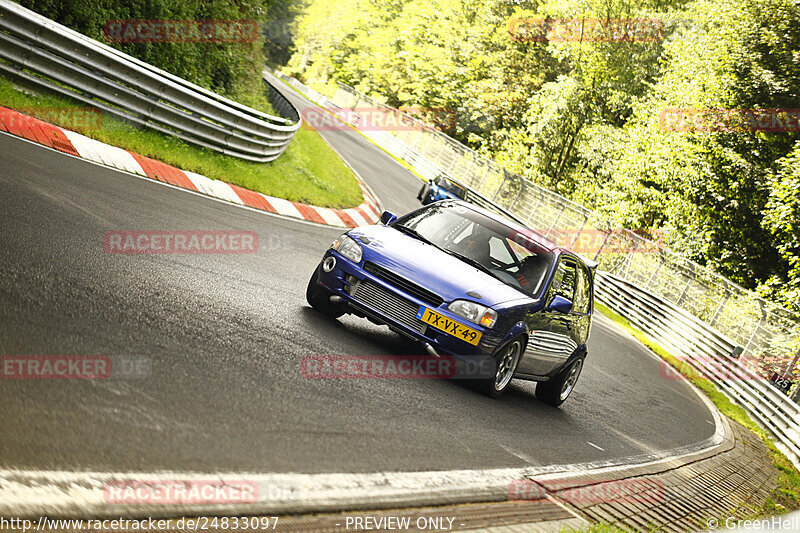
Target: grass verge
787, 496
309, 171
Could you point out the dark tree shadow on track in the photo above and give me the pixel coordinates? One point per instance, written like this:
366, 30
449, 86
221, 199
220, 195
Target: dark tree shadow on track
520, 397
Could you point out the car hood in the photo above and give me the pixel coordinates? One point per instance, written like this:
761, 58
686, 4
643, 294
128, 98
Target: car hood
430, 267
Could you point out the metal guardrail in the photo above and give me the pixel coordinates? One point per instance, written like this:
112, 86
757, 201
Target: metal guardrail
710, 355
714, 354
47, 55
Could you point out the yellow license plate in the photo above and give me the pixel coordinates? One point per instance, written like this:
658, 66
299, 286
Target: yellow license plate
450, 326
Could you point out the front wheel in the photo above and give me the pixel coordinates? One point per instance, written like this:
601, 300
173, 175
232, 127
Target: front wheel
319, 299
506, 361
558, 389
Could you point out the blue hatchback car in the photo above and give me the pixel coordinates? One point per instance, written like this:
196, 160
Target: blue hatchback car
468, 283
441, 188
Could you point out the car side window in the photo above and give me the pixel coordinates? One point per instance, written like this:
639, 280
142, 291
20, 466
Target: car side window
564, 281
582, 288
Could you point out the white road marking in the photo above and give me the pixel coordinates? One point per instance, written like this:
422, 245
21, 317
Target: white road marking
595, 446
357, 218
329, 216
520, 455
216, 188
103, 153
284, 207
28, 493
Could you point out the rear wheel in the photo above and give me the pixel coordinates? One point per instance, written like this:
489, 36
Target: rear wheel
558, 389
506, 361
319, 298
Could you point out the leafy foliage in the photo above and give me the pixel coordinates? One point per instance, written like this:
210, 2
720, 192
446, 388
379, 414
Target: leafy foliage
585, 116
782, 219
231, 69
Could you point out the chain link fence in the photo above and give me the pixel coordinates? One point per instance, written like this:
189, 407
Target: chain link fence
767, 336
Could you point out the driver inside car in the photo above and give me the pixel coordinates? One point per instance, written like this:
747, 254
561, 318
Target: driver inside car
532, 271
475, 246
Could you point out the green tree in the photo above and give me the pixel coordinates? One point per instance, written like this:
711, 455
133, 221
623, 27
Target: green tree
585, 116
782, 220
738, 55
232, 69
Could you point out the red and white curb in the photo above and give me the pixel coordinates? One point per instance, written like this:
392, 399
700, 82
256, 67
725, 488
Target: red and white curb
81, 146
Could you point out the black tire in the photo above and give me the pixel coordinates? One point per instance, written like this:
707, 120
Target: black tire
319, 298
557, 390
496, 386
421, 192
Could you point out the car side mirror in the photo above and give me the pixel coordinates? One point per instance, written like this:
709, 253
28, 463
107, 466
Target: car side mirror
560, 305
387, 217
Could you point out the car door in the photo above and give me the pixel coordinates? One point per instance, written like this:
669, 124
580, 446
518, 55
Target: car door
553, 334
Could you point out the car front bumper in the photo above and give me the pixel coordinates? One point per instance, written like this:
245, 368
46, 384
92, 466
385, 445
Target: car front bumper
369, 295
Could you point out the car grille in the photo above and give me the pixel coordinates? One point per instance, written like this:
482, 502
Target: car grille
403, 284
388, 303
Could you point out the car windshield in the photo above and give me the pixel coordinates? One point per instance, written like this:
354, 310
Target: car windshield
503, 252
451, 187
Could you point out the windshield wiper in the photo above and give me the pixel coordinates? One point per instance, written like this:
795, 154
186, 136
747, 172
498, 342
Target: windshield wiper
414, 233
477, 264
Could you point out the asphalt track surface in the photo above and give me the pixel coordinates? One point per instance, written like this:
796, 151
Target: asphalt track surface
225, 336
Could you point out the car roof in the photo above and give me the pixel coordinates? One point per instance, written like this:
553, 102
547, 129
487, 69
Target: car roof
451, 179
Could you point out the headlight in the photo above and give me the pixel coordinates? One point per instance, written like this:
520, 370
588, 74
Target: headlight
348, 247
477, 313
